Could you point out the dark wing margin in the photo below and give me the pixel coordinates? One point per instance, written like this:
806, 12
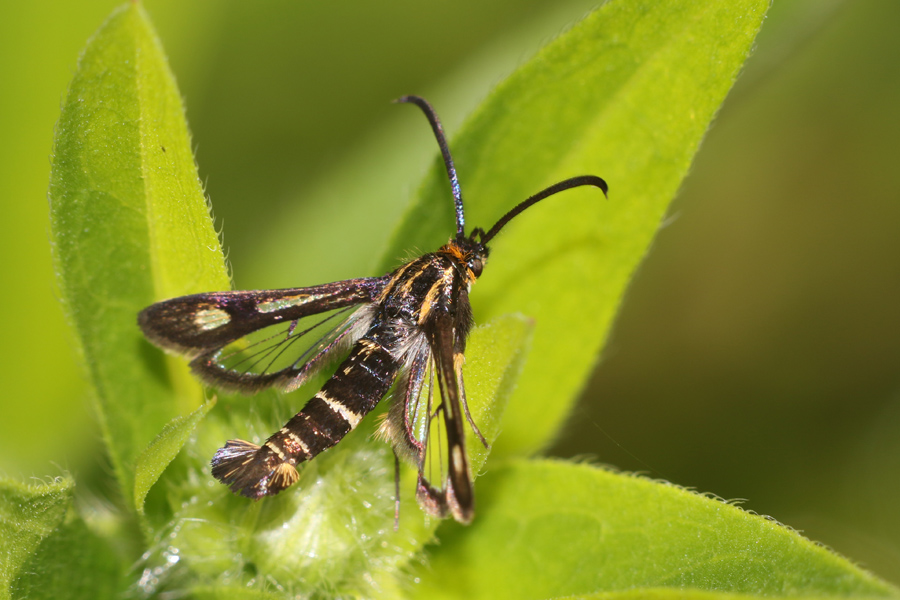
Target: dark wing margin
200, 327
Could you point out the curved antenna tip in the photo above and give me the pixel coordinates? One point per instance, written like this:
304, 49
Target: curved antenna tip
566, 184
593, 180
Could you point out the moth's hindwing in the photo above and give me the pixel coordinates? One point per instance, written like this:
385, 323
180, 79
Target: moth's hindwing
283, 355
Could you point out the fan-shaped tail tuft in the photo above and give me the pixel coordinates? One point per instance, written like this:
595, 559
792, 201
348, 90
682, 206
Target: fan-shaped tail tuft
252, 471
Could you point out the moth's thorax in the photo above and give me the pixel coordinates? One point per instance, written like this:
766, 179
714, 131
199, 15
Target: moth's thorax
434, 282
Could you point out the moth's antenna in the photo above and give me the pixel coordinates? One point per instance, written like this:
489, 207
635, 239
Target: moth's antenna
553, 189
445, 152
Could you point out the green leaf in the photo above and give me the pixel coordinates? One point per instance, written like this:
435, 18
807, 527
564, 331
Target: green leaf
162, 450
129, 225
550, 529
47, 551
72, 563
28, 514
221, 592
687, 594
495, 356
627, 94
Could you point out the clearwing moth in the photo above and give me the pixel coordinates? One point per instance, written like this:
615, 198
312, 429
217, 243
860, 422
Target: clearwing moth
397, 330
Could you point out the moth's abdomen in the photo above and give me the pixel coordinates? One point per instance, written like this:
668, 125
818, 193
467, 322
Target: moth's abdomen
352, 392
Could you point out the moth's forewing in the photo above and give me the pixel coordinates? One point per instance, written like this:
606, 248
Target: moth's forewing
195, 324
248, 341
448, 359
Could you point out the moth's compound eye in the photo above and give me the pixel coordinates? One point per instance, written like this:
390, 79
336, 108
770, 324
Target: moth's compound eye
477, 266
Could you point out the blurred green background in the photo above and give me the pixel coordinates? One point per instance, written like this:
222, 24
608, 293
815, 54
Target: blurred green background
756, 354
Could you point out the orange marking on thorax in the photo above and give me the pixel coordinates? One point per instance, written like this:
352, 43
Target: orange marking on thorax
454, 251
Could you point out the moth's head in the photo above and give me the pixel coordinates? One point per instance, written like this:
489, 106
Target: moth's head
471, 251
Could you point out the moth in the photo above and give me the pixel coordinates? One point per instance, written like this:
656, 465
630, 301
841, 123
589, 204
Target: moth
401, 331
